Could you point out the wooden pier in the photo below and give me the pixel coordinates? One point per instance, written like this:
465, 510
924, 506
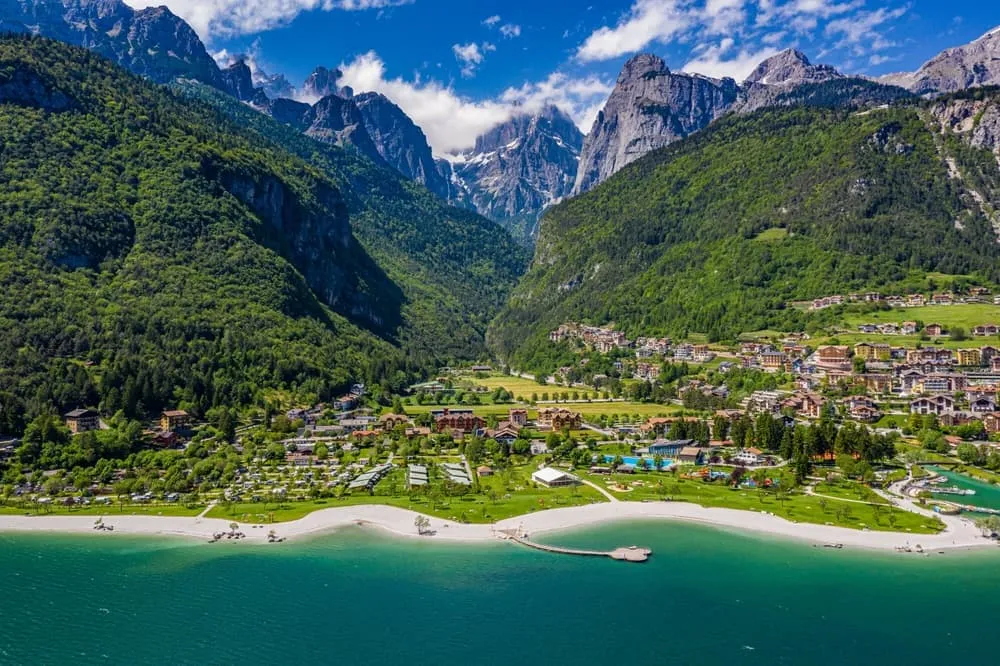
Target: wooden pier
629, 554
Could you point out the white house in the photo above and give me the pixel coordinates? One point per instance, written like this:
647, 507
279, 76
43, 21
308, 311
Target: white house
553, 478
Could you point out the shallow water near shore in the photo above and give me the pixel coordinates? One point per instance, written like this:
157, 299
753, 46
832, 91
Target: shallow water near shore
357, 596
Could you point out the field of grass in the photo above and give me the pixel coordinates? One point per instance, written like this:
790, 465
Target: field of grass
775, 234
966, 315
588, 409
794, 506
485, 507
850, 491
907, 341
13, 507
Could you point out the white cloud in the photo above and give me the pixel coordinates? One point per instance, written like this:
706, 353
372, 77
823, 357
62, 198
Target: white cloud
510, 30
492, 21
647, 21
452, 122
471, 55
719, 61
861, 29
582, 98
211, 18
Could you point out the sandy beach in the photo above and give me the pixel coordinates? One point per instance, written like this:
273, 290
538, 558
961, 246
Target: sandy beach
960, 533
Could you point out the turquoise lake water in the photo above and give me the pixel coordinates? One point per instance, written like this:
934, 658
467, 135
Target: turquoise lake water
987, 495
356, 597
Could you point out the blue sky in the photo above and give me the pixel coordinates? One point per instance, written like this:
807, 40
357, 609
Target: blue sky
457, 67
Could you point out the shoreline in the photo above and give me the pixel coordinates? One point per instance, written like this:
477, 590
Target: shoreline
959, 534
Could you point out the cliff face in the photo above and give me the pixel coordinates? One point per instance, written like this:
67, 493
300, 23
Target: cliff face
521, 168
972, 65
152, 42
400, 142
650, 108
338, 121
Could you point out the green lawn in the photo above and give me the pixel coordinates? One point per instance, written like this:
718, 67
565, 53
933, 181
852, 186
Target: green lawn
966, 315
107, 511
795, 506
472, 508
644, 410
775, 234
850, 491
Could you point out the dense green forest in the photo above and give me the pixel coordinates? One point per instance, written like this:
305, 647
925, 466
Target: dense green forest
154, 253
718, 233
455, 267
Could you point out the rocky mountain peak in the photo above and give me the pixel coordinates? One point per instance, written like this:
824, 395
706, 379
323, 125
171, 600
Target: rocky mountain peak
321, 82
239, 80
644, 64
649, 108
791, 67
959, 68
400, 142
521, 167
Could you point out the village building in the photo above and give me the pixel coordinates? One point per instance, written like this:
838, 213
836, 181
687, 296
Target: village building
553, 478
992, 422
877, 383
969, 357
748, 457
345, 403
690, 455
176, 419
934, 330
518, 417
82, 420
392, 421
773, 360
558, 418
669, 449
982, 405
458, 421
939, 404
834, 356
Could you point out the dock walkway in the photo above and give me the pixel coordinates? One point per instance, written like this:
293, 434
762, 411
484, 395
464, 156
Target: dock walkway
629, 554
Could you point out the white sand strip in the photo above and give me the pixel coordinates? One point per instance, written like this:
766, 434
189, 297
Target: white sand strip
960, 533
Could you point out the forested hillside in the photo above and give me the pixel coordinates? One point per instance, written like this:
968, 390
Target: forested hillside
153, 254
716, 234
455, 268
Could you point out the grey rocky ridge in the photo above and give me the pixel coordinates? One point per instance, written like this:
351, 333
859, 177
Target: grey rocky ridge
968, 66
150, 42
521, 167
652, 107
649, 108
401, 143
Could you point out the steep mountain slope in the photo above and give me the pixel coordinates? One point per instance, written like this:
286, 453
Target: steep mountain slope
400, 142
454, 267
971, 65
670, 245
520, 168
152, 42
182, 259
650, 108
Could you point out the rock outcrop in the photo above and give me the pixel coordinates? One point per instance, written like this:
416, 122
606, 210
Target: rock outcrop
649, 108
399, 141
791, 67
151, 42
969, 66
239, 81
520, 168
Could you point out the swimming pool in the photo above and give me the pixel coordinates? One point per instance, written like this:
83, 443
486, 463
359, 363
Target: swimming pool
635, 461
